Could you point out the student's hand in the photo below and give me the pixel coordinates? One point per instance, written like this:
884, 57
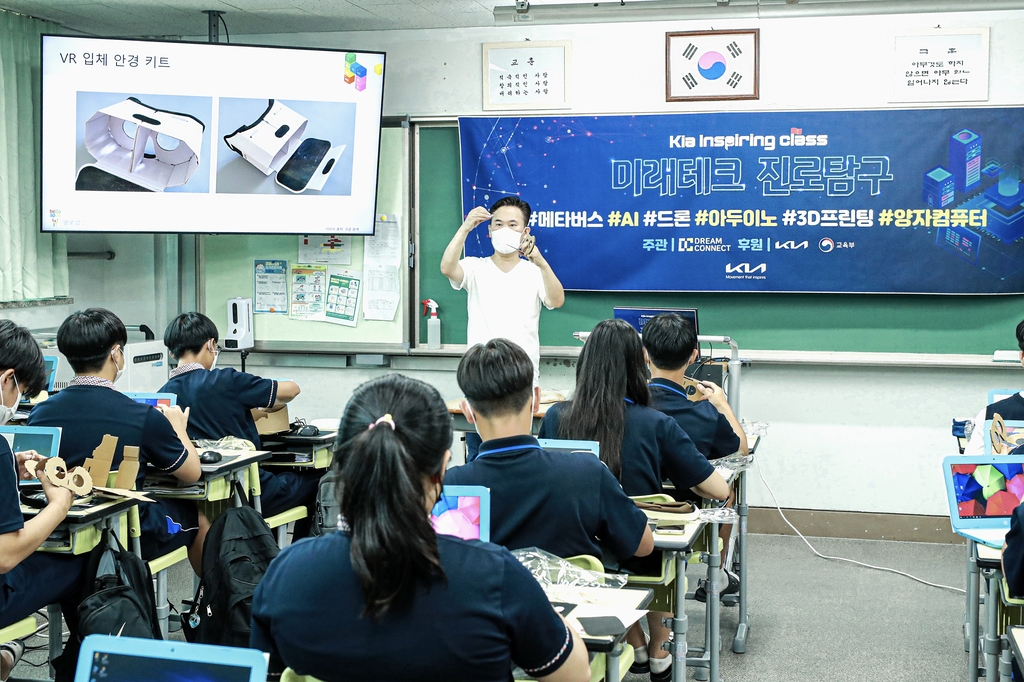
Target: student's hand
178, 419
528, 247
713, 393
55, 495
475, 217
27, 456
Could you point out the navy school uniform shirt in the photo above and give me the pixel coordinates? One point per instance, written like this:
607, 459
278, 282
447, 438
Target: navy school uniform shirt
221, 400
563, 503
1010, 408
1013, 553
85, 413
487, 613
708, 428
654, 449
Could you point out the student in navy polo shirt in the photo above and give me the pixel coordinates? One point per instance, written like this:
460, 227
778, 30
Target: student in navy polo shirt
93, 341
385, 597
222, 401
640, 445
566, 504
671, 344
29, 580
1010, 408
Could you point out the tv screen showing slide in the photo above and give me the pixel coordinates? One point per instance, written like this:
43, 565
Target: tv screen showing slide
152, 136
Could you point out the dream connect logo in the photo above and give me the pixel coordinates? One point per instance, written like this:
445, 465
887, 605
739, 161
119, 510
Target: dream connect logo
826, 245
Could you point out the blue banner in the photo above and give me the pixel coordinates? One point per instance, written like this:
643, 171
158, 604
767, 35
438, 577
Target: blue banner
896, 201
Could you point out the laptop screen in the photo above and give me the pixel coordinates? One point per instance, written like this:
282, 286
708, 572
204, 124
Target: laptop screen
639, 317
590, 447
109, 667
463, 511
44, 440
987, 491
154, 399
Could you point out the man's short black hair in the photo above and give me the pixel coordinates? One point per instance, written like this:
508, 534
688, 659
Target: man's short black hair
496, 377
188, 332
1020, 335
518, 203
87, 337
20, 352
670, 340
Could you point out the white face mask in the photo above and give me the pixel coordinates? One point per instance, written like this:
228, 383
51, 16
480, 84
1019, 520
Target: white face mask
506, 240
216, 354
120, 370
7, 413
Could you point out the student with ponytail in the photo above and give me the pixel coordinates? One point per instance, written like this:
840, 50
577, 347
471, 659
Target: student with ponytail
640, 445
385, 597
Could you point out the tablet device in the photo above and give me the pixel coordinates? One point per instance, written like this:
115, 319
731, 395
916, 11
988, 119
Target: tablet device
591, 447
154, 399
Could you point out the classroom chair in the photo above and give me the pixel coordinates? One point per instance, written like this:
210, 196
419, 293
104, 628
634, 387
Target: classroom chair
1010, 612
279, 523
20, 630
660, 584
157, 567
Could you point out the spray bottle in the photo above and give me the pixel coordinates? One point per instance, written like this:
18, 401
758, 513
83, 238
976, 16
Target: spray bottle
433, 324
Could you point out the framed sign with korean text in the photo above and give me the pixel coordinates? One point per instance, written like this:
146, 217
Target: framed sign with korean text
711, 65
942, 65
527, 75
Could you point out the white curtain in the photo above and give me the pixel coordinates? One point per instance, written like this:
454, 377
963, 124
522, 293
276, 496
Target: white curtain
33, 265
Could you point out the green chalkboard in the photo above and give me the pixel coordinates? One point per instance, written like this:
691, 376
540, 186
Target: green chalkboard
828, 322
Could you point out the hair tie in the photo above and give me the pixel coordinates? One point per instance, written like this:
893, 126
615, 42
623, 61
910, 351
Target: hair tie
386, 419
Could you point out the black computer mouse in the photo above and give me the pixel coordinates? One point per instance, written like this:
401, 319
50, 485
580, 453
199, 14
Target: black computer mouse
210, 457
307, 431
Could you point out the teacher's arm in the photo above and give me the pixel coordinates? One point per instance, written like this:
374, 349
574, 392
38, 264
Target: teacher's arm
450, 267
554, 294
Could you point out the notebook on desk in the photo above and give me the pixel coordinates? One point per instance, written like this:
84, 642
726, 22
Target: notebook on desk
125, 659
983, 491
463, 511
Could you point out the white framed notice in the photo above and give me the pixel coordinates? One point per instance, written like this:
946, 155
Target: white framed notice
527, 75
942, 65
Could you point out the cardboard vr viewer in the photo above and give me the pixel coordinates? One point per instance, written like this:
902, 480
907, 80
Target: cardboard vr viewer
273, 143
152, 148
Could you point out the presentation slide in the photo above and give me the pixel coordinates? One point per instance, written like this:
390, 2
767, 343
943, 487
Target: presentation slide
148, 136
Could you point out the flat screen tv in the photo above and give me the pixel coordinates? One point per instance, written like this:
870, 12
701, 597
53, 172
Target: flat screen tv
154, 136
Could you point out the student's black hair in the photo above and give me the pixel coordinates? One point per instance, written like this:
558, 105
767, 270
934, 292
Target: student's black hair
20, 352
87, 336
188, 332
1020, 335
670, 340
496, 377
610, 370
394, 547
518, 203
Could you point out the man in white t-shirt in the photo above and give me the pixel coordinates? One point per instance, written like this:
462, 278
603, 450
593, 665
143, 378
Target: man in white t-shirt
505, 291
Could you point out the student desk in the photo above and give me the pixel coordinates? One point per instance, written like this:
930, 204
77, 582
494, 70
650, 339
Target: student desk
215, 483
987, 564
300, 452
460, 423
1016, 636
83, 527
739, 642
600, 601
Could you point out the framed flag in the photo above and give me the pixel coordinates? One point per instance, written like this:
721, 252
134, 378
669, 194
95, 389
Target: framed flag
711, 65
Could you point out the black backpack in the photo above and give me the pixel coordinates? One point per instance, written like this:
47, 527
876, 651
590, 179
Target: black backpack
238, 549
325, 518
118, 595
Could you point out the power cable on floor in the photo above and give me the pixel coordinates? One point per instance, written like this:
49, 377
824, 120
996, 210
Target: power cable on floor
839, 558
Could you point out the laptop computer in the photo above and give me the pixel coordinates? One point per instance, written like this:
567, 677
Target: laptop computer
51, 375
463, 511
43, 439
556, 445
154, 399
126, 659
983, 491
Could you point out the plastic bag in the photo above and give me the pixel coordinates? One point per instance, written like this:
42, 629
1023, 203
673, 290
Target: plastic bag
550, 570
720, 515
754, 428
735, 462
226, 443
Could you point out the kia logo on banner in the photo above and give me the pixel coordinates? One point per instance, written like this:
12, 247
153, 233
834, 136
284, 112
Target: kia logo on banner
791, 245
746, 269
